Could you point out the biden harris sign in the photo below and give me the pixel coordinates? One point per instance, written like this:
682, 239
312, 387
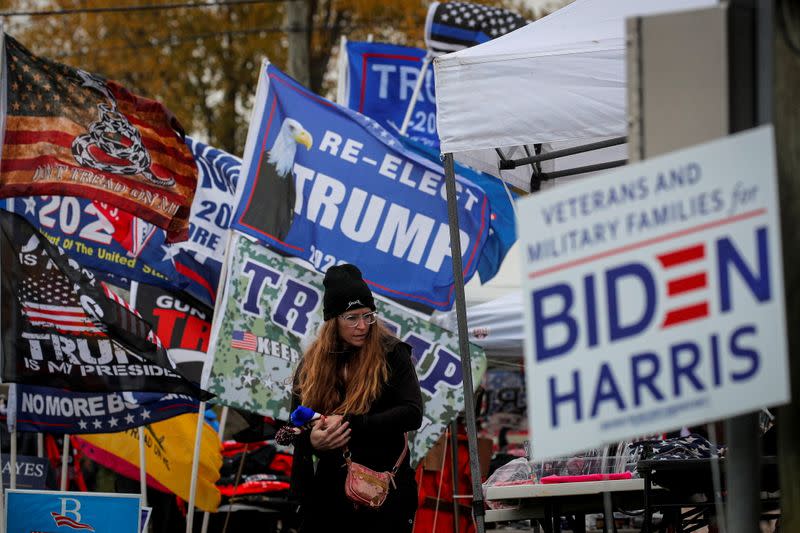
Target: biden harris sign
653, 296
331, 186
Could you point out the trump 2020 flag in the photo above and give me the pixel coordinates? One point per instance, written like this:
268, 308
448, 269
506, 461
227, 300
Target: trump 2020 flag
379, 82
69, 132
329, 185
61, 328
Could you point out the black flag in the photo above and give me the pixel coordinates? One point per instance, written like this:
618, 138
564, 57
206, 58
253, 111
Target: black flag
452, 26
62, 328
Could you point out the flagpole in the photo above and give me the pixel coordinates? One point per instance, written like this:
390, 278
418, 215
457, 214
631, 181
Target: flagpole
218, 303
195, 463
223, 419
40, 444
142, 468
11, 419
415, 95
13, 460
64, 461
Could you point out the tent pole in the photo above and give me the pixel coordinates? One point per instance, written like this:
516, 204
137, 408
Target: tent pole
454, 470
463, 344
750, 79
415, 95
510, 164
544, 176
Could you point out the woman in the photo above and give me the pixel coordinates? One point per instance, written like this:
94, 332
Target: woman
362, 378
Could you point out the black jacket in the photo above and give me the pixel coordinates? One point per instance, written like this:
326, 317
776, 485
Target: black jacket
376, 441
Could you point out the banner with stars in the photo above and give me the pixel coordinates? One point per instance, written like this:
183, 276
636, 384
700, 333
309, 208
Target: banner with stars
59, 411
272, 309
169, 447
452, 26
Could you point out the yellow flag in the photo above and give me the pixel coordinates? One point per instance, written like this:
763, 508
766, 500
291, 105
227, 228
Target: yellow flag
169, 445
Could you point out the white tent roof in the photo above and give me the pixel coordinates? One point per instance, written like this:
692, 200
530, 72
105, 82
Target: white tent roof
559, 78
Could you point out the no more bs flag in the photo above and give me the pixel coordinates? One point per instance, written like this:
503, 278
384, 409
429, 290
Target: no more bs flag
331, 186
653, 296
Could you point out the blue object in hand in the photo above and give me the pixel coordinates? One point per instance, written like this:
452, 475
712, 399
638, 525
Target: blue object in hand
302, 416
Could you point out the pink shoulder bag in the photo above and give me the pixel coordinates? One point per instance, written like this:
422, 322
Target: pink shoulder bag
365, 486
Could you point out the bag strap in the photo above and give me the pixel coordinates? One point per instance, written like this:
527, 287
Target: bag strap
402, 455
346, 454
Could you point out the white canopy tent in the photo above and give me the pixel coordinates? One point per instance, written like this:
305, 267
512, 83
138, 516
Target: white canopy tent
559, 81
495, 326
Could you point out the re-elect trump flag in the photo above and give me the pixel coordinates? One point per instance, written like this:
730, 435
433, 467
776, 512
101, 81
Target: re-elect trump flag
329, 185
379, 82
69, 132
168, 457
61, 328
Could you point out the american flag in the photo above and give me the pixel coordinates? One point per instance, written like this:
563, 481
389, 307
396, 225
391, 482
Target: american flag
49, 302
51, 106
454, 26
243, 340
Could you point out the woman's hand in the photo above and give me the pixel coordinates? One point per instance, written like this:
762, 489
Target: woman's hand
330, 433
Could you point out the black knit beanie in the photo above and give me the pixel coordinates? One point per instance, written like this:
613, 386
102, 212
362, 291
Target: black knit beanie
344, 289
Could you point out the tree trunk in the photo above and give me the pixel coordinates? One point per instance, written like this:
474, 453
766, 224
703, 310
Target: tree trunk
297, 64
787, 137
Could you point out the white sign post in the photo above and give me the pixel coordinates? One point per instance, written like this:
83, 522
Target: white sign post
653, 296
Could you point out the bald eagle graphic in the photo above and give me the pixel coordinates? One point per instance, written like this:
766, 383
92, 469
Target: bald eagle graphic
274, 196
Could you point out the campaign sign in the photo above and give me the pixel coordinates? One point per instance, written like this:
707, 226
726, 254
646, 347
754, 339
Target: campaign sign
653, 296
380, 83
331, 186
51, 511
31, 471
271, 311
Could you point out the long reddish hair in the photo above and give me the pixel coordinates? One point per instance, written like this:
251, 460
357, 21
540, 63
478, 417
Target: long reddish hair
367, 371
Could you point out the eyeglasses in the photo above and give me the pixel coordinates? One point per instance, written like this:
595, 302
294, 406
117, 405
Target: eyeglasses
352, 320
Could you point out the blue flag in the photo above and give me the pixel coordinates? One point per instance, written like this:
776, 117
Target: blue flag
329, 185
60, 411
502, 225
380, 83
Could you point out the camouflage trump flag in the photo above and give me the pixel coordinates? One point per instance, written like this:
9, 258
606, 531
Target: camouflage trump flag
271, 310
72, 133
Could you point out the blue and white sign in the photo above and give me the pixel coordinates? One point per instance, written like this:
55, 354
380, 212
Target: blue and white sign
654, 297
50, 511
380, 80
332, 186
